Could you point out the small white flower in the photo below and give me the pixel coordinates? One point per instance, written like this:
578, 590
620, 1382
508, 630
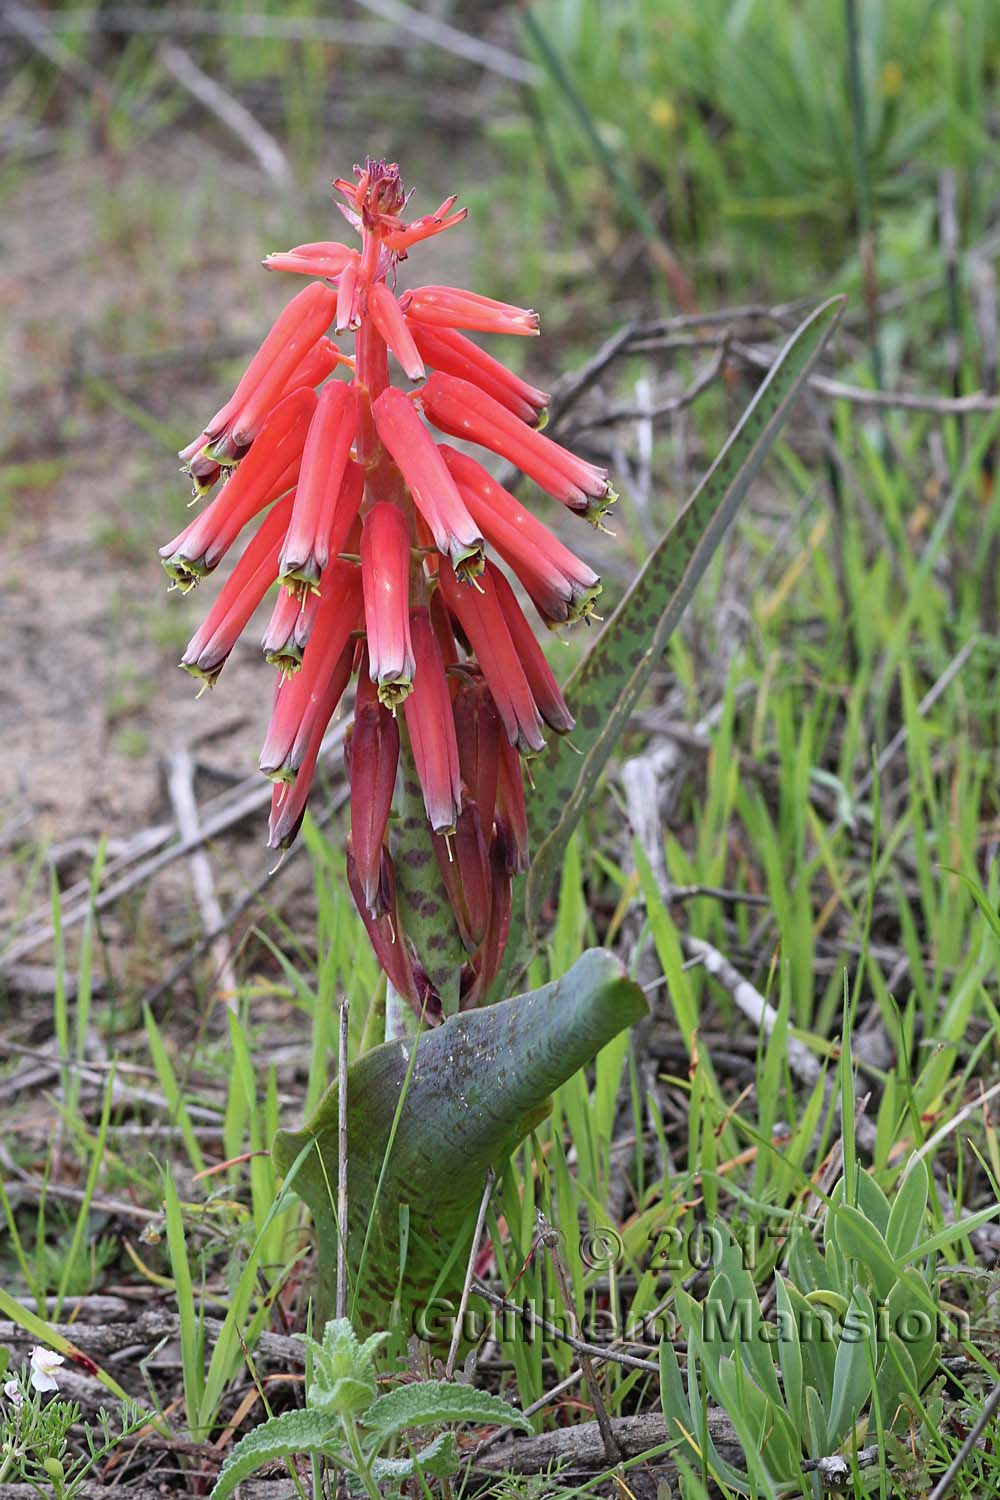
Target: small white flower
13, 1392
44, 1363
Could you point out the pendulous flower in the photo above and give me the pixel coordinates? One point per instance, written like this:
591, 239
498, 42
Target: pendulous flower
377, 538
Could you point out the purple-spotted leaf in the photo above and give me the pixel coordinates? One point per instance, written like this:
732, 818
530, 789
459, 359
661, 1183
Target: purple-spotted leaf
604, 690
479, 1083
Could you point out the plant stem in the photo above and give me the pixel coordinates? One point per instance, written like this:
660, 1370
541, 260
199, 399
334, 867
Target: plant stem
357, 1453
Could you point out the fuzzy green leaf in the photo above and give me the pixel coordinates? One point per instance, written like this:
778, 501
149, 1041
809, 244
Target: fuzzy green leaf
439, 1459
293, 1432
605, 689
480, 1082
428, 1402
343, 1378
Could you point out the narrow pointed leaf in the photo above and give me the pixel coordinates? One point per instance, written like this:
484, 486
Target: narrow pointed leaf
480, 1081
603, 692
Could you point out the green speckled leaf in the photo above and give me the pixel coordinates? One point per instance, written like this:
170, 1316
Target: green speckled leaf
605, 688
480, 1082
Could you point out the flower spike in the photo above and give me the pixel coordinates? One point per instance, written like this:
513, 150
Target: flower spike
377, 536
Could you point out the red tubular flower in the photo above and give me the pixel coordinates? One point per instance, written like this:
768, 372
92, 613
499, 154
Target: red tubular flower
198, 460
431, 727
483, 625
401, 240
432, 487
209, 647
451, 307
512, 814
294, 333
486, 965
385, 574
478, 732
326, 258
453, 354
561, 587
322, 359
270, 470
324, 462
464, 866
464, 411
309, 698
384, 931
544, 689
279, 645
289, 797
373, 759
387, 316
348, 312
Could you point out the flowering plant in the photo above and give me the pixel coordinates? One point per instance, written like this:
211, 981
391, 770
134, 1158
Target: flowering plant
377, 535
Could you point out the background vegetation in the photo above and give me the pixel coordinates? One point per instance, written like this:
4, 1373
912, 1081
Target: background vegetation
806, 810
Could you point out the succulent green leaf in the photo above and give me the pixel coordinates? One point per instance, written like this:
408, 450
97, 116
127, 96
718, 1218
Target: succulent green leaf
909, 1206
480, 1082
789, 1351
854, 1367
871, 1201
439, 1459
858, 1237
604, 690
293, 1432
428, 1402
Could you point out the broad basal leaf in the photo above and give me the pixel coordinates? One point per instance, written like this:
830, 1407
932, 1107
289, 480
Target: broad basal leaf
479, 1083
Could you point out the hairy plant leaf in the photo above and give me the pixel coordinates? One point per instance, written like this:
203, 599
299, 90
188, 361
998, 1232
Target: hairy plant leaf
439, 1459
429, 1401
604, 690
280, 1437
479, 1082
